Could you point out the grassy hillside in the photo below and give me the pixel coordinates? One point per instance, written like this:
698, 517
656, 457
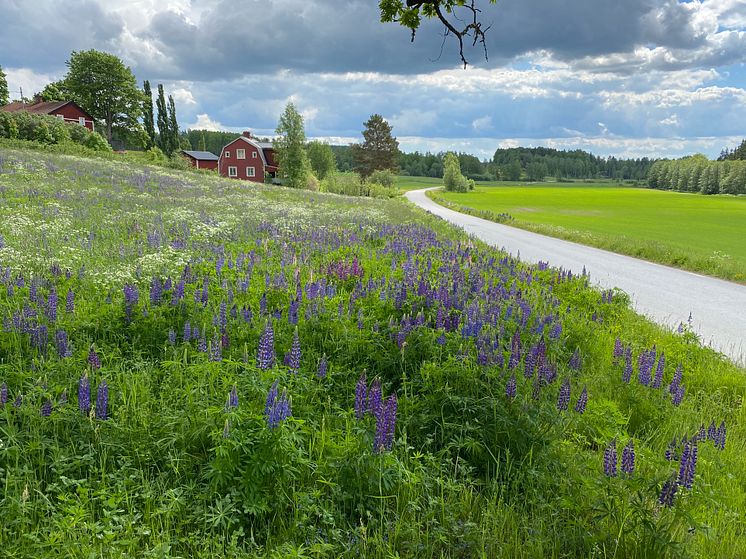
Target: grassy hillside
196, 367
702, 234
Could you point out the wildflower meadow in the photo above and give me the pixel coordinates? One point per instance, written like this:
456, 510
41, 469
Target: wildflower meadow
198, 367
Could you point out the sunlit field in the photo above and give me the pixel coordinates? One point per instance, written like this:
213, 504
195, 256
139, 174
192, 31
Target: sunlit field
699, 233
199, 367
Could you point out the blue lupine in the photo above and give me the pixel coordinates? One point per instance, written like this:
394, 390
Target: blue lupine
102, 401
385, 426
266, 351
323, 367
131, 297
676, 381
658, 379
575, 361
62, 344
46, 408
688, 465
510, 387
93, 359
3, 395
70, 301
227, 428
18, 402
223, 316
84, 394
271, 398
294, 356
628, 458
627, 373
216, 349
668, 493
375, 398
232, 398
563, 400
610, 459
671, 450
618, 350
52, 305
361, 396
156, 291
187, 331
678, 395
293, 311
720, 437
582, 401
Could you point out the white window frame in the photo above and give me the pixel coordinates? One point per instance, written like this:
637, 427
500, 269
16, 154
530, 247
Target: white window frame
227, 155
81, 120
232, 171
61, 117
253, 154
250, 172
240, 154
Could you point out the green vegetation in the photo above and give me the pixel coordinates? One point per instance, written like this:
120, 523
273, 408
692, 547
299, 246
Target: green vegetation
431, 401
379, 150
290, 149
696, 173
453, 180
321, 157
48, 130
699, 234
4, 93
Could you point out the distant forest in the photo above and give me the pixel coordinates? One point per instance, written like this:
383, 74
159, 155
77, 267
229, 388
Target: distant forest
207, 140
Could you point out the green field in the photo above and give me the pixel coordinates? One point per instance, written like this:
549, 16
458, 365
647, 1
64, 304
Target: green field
704, 234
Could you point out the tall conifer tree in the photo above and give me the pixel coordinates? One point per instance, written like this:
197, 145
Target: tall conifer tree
147, 109
163, 136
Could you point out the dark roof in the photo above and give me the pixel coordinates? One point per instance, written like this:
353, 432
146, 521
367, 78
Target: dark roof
41, 108
202, 155
265, 145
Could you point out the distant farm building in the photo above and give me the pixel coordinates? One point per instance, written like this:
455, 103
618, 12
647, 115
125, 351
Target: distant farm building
64, 110
202, 159
246, 158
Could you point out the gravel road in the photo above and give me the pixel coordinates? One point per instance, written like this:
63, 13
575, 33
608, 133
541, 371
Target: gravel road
666, 295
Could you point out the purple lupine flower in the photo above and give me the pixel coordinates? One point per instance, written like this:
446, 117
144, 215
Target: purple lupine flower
263, 304
628, 458
294, 356
225, 341
202, 343
323, 367
676, 381
187, 331
223, 316
232, 398
271, 398
668, 493
688, 465
293, 309
441, 340
216, 349
582, 401
658, 378
156, 291
279, 410
93, 359
510, 387
575, 360
178, 293
515, 351
246, 314
627, 373
645, 366
361, 396
556, 331
84, 394
265, 356
563, 401
618, 350
171, 336
3, 395
61, 342
375, 398
18, 402
46, 408
385, 426
671, 450
131, 297
678, 395
70, 301
720, 436
52, 305
102, 401
610, 459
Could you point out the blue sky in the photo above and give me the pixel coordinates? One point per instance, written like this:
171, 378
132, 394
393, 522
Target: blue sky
628, 78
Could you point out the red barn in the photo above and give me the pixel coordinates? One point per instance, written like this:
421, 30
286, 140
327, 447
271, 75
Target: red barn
248, 159
202, 159
64, 110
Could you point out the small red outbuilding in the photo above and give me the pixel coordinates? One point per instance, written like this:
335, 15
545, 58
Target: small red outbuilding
202, 159
64, 110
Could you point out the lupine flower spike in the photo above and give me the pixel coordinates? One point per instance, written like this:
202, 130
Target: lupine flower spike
610, 459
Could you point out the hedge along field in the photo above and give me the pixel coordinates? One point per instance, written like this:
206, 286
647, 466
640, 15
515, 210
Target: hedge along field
196, 367
689, 231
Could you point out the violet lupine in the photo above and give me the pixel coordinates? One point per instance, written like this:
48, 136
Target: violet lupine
671, 450
156, 291
18, 402
627, 373
84, 394
510, 387
131, 297
232, 398
361, 396
46, 408
575, 361
323, 367
93, 359
265, 356
171, 336
223, 316
720, 437
52, 305
385, 426
271, 397
582, 401
70, 301
293, 311
628, 458
375, 398
645, 366
294, 356
202, 344
187, 331
618, 350
688, 465
278, 409
216, 349
563, 400
102, 401
678, 395
676, 381
3, 395
610, 459
668, 493
658, 378
61, 342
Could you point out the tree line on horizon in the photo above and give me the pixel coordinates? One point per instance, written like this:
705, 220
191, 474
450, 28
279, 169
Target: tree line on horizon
697, 173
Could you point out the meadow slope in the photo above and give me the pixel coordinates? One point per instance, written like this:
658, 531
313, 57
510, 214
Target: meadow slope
197, 367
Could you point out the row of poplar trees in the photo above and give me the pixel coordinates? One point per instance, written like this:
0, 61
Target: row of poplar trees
167, 139
696, 173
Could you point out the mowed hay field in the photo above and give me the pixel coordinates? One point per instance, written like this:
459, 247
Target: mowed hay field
705, 234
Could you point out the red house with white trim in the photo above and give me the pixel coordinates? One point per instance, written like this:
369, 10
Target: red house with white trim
248, 159
201, 159
64, 110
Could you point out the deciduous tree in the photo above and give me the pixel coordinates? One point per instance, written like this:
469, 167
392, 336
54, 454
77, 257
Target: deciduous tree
380, 150
322, 159
290, 148
453, 180
164, 138
173, 125
102, 85
147, 110
4, 94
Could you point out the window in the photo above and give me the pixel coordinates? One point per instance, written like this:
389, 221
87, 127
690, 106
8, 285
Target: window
232, 171
61, 117
253, 154
250, 172
227, 155
240, 154
81, 120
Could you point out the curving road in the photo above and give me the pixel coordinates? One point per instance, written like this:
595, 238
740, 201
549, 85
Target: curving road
666, 295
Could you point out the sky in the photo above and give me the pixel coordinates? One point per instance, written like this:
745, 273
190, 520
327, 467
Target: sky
629, 78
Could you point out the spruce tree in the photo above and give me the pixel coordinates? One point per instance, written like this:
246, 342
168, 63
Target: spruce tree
147, 109
379, 151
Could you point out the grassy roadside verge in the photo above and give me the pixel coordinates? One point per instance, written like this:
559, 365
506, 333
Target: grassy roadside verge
715, 263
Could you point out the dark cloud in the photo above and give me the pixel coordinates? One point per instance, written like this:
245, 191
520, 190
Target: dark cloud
41, 34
